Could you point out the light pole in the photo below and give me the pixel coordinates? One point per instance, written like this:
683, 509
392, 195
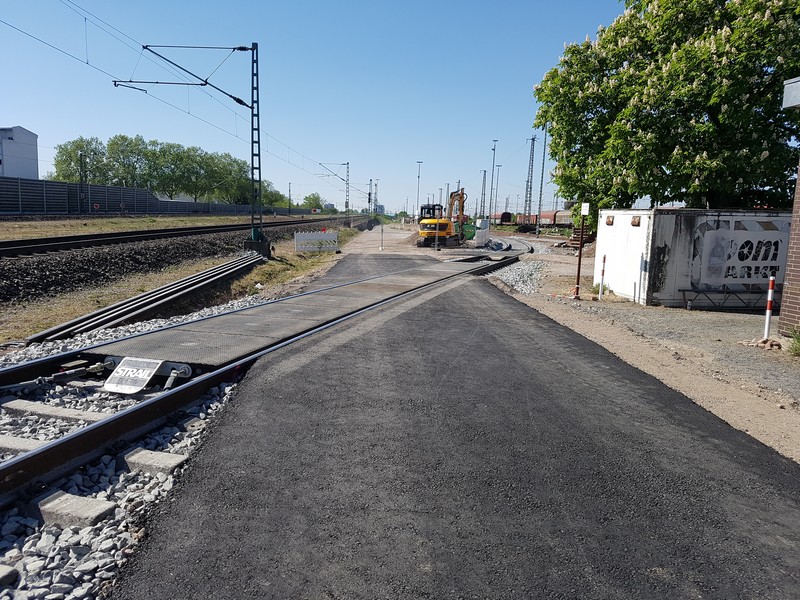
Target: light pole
491, 185
419, 167
82, 177
497, 187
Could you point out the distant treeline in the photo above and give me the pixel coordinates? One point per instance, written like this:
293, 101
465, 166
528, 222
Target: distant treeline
165, 168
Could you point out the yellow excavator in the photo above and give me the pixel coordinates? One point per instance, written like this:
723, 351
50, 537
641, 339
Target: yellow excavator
450, 230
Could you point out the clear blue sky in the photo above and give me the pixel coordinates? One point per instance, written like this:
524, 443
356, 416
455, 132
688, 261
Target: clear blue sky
379, 84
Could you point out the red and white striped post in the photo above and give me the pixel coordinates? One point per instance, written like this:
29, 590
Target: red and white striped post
602, 277
770, 294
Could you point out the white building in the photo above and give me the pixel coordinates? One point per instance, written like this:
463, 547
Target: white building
19, 153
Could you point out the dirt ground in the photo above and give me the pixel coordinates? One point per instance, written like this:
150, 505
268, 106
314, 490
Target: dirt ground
693, 352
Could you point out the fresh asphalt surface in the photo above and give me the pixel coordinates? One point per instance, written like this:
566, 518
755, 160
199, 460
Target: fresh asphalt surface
459, 444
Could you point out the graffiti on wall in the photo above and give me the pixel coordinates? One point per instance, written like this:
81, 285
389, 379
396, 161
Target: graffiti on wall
738, 254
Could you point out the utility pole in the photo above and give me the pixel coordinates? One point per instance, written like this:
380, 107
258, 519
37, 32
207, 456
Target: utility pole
527, 208
483, 196
419, 166
438, 215
491, 185
290, 198
497, 188
541, 180
376, 196
82, 179
256, 224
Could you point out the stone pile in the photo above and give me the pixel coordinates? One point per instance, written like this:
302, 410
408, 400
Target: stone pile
765, 343
522, 277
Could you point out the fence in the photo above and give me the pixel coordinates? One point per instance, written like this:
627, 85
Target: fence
41, 197
316, 241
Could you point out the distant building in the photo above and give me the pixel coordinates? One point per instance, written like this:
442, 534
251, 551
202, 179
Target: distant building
380, 209
328, 206
19, 153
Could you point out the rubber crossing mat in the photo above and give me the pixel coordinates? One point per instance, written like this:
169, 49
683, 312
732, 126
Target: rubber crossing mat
216, 341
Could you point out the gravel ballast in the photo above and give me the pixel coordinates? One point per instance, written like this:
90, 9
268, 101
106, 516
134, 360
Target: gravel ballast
33, 277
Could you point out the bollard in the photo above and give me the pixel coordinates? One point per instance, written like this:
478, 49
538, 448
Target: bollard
602, 276
770, 294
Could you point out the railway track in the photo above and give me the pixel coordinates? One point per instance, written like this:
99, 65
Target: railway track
197, 356
148, 303
83, 459
13, 248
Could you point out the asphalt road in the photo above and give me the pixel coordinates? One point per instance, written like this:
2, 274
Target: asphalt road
461, 445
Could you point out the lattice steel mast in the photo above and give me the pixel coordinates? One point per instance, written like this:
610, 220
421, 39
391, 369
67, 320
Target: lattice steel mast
255, 154
483, 196
527, 208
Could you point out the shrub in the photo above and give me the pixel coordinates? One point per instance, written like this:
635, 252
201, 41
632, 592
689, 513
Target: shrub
794, 344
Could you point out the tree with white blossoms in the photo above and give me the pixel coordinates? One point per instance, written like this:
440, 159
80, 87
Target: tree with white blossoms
678, 100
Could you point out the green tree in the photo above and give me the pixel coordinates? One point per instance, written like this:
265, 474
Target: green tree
272, 197
127, 161
229, 179
88, 154
197, 169
313, 200
678, 100
165, 168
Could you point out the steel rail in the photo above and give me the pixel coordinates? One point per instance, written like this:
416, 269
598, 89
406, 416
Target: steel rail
31, 471
147, 303
44, 366
11, 248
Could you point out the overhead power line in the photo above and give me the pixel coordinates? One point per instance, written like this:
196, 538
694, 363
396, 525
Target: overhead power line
56, 48
94, 19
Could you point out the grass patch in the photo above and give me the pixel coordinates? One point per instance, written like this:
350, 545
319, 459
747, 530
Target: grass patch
794, 343
606, 289
20, 319
287, 265
22, 230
